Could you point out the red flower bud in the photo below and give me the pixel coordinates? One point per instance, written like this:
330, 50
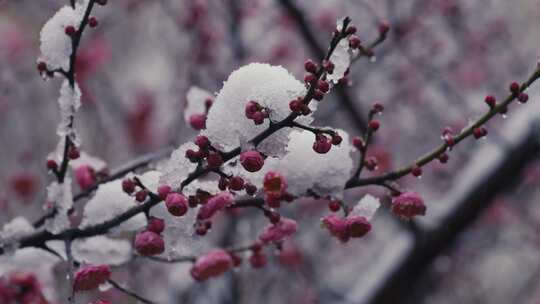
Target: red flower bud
176, 204
148, 243
252, 160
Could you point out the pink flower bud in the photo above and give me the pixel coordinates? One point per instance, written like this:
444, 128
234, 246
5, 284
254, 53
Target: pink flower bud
416, 170
274, 184
215, 204
322, 144
156, 225
176, 204
275, 233
90, 277
85, 177
128, 185
407, 205
490, 101
514, 87
354, 42
236, 183
310, 66
251, 108
323, 86
328, 66
70, 30
358, 226
163, 191
337, 226
258, 260
214, 160
384, 27
197, 121
148, 243
52, 164
252, 160
73, 152
141, 195
202, 141
212, 264
250, 189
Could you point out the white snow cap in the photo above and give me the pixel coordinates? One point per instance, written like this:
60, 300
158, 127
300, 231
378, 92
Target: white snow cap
109, 201
366, 207
15, 229
303, 168
55, 44
272, 87
102, 250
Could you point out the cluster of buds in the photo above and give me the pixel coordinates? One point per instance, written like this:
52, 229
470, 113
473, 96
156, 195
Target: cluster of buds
198, 121
408, 205
352, 226
275, 189
149, 243
206, 151
130, 187
236, 183
323, 142
319, 86
256, 112
299, 107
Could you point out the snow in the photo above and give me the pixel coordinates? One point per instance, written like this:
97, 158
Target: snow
366, 207
102, 250
109, 202
55, 45
272, 87
60, 197
178, 167
70, 102
15, 229
325, 174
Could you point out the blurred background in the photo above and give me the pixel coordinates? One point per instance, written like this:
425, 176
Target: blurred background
478, 243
